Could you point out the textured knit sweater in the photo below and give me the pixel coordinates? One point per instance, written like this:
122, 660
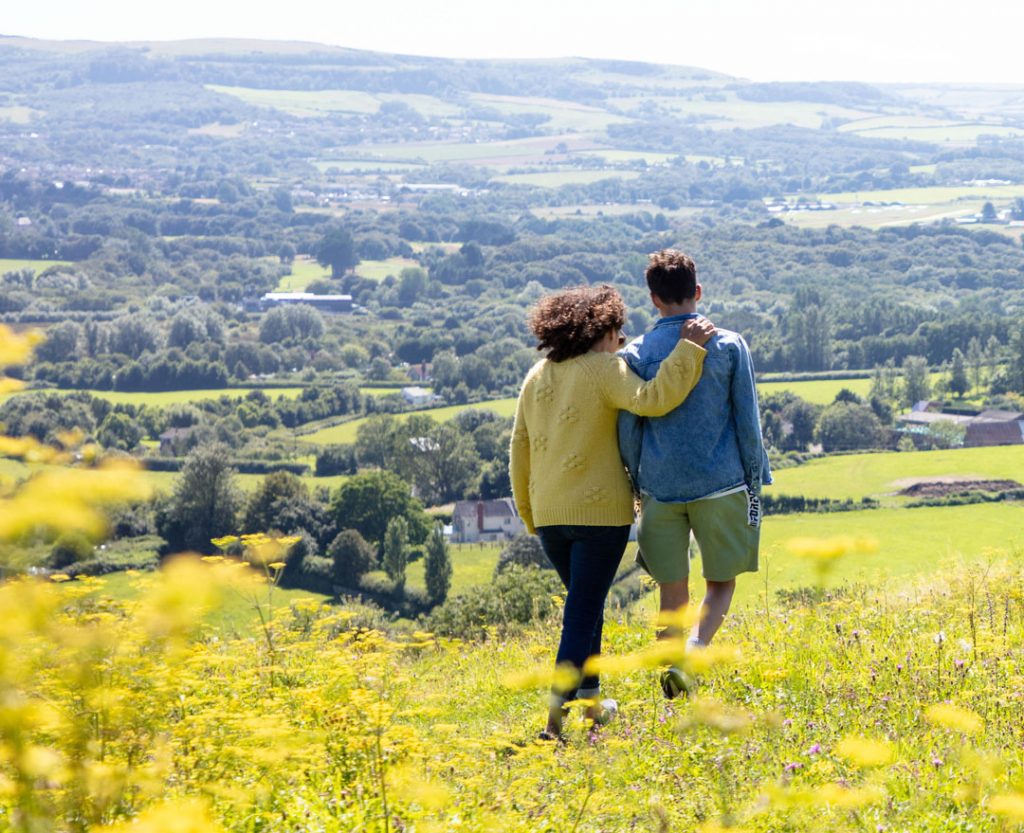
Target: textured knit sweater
564, 457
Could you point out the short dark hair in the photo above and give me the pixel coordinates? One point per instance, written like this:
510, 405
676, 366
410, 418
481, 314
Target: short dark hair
672, 276
570, 322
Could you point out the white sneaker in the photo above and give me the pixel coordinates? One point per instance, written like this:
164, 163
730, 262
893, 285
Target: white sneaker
608, 710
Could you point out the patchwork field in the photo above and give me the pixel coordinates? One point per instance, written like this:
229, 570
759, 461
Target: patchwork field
881, 474
562, 116
16, 265
377, 270
555, 179
732, 111
18, 114
494, 154
935, 195
304, 271
472, 565
356, 166
346, 432
907, 544
161, 399
312, 103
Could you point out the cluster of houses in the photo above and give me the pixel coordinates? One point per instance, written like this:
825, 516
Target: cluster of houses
989, 427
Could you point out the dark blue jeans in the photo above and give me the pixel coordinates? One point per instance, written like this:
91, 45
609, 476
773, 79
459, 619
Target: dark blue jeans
586, 559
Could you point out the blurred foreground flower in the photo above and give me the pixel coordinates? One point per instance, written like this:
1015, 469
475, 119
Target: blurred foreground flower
1009, 806
70, 500
563, 678
825, 552
727, 720
954, 718
865, 752
173, 817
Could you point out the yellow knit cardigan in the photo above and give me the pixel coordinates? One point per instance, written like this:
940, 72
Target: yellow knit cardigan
564, 457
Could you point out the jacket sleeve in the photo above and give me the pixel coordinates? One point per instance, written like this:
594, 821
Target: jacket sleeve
621, 388
747, 415
519, 465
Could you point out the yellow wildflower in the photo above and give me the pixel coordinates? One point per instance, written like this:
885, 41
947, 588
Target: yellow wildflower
955, 718
865, 752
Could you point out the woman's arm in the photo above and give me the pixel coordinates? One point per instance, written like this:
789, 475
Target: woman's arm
677, 376
519, 465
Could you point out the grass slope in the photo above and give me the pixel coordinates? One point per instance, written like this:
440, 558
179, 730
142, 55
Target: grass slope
860, 475
346, 432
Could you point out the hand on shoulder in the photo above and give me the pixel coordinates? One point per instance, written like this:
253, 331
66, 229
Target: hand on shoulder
697, 330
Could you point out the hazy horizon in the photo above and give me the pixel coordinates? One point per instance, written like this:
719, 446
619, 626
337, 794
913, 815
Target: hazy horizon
790, 40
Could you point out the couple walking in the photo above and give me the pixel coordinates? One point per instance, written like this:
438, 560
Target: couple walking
678, 407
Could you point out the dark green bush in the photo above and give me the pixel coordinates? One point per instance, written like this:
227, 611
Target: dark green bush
518, 596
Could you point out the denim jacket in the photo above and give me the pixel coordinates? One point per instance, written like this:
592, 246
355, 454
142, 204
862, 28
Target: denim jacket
709, 444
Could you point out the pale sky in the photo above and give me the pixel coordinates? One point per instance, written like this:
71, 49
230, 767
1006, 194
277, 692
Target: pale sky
765, 40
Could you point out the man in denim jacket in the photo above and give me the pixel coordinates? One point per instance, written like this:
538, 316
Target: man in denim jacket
700, 467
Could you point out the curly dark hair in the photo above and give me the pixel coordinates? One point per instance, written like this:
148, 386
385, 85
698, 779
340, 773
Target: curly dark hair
568, 323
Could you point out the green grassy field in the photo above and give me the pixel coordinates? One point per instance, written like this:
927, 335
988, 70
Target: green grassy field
911, 542
355, 166
472, 565
823, 391
882, 216
555, 179
931, 195
612, 155
15, 264
562, 115
219, 131
960, 133
871, 475
237, 614
163, 481
18, 115
377, 270
496, 154
737, 112
817, 391
313, 103
304, 272
346, 432
162, 399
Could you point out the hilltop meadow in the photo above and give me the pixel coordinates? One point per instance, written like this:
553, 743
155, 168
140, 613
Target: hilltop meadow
232, 597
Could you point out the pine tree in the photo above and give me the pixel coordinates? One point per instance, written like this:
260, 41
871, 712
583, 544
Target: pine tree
437, 566
958, 382
396, 551
976, 360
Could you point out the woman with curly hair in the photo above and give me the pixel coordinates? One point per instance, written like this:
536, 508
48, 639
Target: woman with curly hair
568, 480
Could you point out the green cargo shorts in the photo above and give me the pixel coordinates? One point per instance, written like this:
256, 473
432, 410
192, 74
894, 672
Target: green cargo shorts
722, 526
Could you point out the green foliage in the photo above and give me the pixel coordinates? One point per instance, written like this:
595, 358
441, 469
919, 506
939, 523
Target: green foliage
916, 385
845, 426
516, 597
437, 568
352, 557
958, 381
522, 551
293, 322
119, 431
337, 250
204, 504
369, 500
395, 551
70, 548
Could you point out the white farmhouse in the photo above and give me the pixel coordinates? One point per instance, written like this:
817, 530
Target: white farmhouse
476, 521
